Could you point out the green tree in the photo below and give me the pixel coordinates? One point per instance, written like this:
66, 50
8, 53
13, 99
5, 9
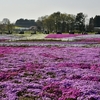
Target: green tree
56, 22
97, 21
70, 22
57, 19
41, 23
91, 24
49, 23
63, 22
80, 22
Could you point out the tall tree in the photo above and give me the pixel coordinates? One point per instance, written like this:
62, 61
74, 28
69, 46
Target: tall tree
97, 21
80, 22
7, 26
91, 24
57, 20
49, 23
63, 21
63, 18
41, 24
70, 22
5, 21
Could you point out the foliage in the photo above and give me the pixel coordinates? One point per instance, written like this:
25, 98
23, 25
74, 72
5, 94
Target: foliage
56, 22
80, 22
97, 21
6, 26
91, 24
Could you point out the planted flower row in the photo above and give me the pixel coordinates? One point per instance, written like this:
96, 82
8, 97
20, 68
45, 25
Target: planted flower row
61, 35
91, 40
50, 43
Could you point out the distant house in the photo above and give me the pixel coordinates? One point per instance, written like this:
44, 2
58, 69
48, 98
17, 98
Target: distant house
33, 28
97, 29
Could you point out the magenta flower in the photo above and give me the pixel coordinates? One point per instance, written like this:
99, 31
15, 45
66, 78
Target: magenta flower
61, 35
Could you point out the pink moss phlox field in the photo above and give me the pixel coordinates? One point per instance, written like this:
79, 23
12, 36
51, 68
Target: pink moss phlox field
61, 35
52, 73
55, 91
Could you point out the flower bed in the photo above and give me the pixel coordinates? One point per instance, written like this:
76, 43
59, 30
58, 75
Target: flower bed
61, 35
50, 43
91, 40
3, 40
49, 73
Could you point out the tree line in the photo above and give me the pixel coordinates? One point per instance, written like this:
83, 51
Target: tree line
62, 22
56, 22
25, 23
68, 22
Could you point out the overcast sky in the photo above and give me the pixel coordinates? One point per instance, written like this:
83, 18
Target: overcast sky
32, 9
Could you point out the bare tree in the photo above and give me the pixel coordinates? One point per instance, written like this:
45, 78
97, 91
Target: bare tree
7, 25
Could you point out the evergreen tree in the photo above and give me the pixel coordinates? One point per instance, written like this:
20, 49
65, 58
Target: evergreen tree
80, 22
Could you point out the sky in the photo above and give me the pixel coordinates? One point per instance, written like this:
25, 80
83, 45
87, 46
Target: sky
33, 9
